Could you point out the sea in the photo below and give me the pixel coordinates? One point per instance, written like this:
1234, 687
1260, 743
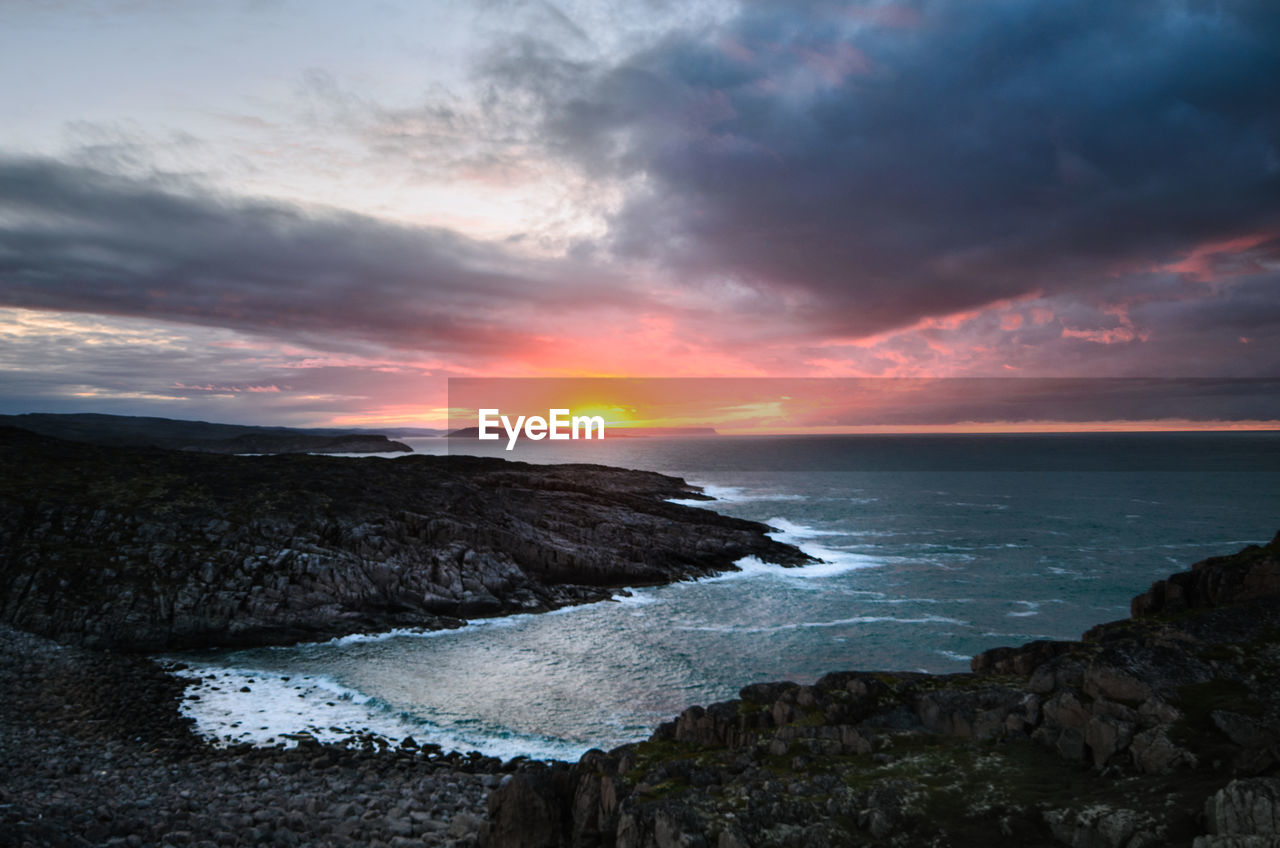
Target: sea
932, 549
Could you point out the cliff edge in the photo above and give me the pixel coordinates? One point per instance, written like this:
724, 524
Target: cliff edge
1160, 730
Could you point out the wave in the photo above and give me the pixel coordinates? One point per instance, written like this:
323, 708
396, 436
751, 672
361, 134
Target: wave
639, 597
788, 528
833, 563
277, 709
1031, 607
920, 601
804, 625
737, 494
952, 655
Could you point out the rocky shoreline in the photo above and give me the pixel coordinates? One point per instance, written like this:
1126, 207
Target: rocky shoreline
150, 549
93, 751
1163, 729
1159, 730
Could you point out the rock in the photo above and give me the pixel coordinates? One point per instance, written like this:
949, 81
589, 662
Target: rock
979, 713
1107, 737
1249, 807
1252, 574
1236, 842
1100, 826
528, 809
1154, 753
1243, 730
163, 549
465, 824
1022, 660
1106, 681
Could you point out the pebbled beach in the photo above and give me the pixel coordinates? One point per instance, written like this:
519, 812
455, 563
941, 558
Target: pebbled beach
93, 751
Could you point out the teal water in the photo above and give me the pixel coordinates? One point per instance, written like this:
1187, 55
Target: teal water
923, 568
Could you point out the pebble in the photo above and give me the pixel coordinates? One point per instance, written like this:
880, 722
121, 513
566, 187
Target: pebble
123, 768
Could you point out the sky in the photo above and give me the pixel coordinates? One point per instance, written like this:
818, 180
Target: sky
314, 212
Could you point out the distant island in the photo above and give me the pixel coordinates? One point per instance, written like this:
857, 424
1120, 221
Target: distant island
612, 432
207, 437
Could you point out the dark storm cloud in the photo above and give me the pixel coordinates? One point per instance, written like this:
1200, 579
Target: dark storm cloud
78, 240
928, 159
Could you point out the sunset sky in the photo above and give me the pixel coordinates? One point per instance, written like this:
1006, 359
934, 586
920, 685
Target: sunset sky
313, 212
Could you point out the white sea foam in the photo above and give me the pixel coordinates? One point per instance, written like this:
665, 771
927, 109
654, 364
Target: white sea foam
833, 560
417, 633
735, 494
637, 598
805, 625
952, 655
1031, 607
833, 563
276, 705
278, 708
689, 502
789, 530
1074, 575
920, 601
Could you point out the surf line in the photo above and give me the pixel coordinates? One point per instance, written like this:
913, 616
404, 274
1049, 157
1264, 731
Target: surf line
557, 425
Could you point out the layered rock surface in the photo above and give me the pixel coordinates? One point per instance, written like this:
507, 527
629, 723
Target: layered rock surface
138, 432
143, 549
1160, 730
93, 752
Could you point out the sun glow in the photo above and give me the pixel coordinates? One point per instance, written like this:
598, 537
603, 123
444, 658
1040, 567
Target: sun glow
614, 416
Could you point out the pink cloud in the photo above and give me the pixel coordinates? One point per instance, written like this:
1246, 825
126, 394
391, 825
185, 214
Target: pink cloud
210, 387
1040, 315
1203, 263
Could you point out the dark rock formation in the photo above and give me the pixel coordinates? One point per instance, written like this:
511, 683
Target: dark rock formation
1159, 730
296, 443
132, 431
93, 752
153, 549
1253, 573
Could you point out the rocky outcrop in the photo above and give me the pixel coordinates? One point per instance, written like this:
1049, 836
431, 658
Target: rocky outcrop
1155, 731
154, 549
297, 443
1243, 814
139, 432
1251, 574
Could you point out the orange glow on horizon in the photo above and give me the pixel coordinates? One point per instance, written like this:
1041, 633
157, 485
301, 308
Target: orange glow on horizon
1015, 427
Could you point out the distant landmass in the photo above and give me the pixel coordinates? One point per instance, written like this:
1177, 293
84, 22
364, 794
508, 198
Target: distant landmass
207, 437
611, 432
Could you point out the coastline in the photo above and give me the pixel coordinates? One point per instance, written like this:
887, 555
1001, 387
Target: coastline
95, 752
151, 550
1177, 708
1157, 730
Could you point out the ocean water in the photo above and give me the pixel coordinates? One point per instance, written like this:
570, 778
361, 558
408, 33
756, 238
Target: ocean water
941, 549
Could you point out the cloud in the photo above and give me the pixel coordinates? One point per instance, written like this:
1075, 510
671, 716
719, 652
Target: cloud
873, 189
883, 173
76, 239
